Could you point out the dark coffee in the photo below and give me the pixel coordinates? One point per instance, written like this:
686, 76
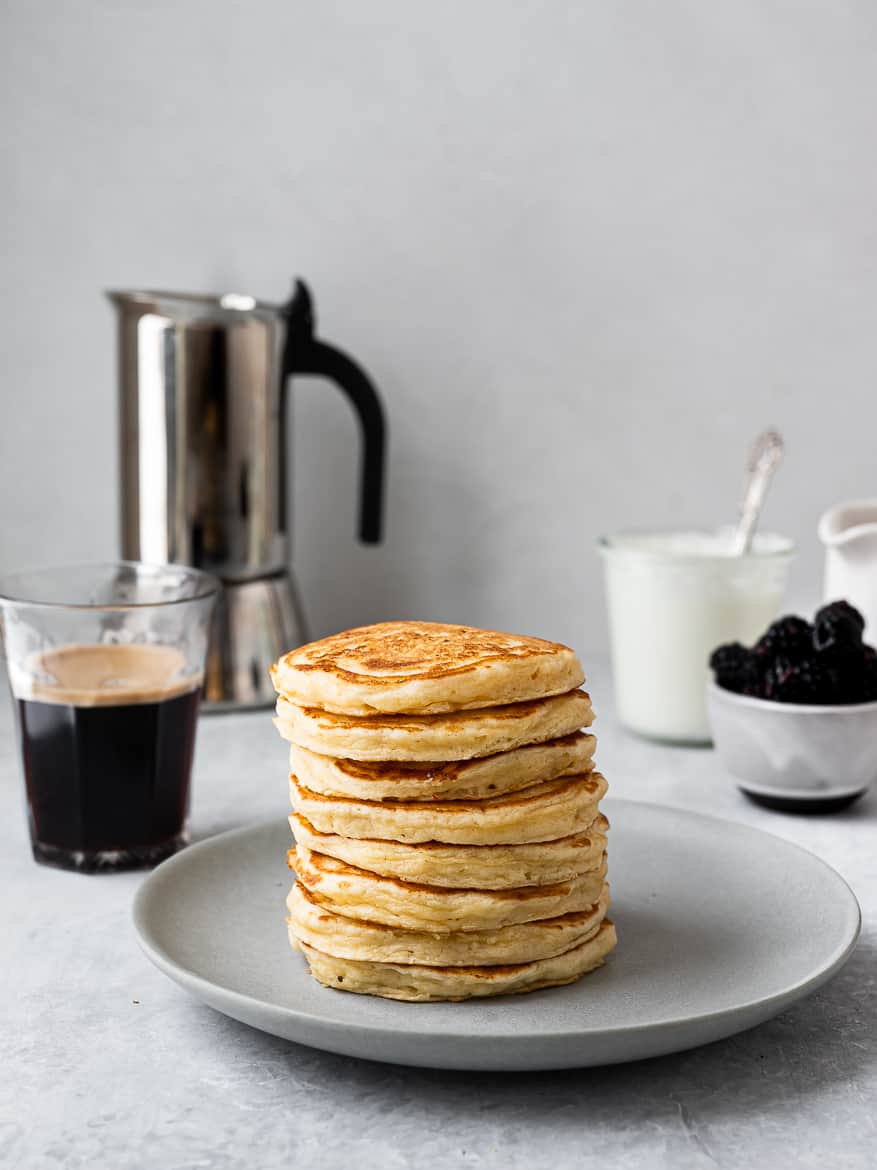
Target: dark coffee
107, 746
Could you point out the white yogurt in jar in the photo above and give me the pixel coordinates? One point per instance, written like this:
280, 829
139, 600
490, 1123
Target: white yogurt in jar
672, 598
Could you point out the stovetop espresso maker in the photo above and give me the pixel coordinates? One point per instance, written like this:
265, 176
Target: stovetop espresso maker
203, 387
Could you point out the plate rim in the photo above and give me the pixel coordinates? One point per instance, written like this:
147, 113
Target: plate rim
190, 980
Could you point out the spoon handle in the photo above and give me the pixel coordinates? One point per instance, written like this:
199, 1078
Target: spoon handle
764, 458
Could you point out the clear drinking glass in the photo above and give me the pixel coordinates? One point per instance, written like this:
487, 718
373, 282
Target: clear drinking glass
105, 666
672, 598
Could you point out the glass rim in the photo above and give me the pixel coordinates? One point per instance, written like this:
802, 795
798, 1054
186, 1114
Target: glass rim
610, 543
208, 586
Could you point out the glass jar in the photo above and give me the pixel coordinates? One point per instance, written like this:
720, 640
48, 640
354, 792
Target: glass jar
672, 598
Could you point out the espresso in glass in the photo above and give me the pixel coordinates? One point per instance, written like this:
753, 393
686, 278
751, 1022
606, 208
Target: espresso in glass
107, 748
105, 665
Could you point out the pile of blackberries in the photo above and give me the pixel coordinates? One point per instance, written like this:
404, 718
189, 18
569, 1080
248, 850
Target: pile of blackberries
796, 662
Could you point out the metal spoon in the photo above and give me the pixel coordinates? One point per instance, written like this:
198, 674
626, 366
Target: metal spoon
764, 458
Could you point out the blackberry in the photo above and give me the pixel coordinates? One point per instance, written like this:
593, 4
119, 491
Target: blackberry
837, 627
789, 637
849, 673
848, 664
857, 677
754, 688
733, 667
869, 675
807, 681
837, 636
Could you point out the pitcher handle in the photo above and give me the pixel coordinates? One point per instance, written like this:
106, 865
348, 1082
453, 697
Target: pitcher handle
305, 354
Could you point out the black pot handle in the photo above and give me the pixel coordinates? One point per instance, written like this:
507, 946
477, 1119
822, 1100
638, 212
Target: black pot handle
303, 353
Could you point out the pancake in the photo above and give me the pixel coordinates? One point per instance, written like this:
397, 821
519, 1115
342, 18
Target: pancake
457, 736
487, 867
454, 780
424, 983
356, 893
542, 812
347, 938
423, 668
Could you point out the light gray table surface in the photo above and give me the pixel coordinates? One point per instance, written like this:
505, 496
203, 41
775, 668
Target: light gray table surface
106, 1063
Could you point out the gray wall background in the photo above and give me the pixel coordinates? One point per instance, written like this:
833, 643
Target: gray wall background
587, 250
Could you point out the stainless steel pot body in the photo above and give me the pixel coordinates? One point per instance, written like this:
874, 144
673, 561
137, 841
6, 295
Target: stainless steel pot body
202, 445
203, 387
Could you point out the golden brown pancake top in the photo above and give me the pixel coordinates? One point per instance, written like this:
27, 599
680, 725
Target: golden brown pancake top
414, 650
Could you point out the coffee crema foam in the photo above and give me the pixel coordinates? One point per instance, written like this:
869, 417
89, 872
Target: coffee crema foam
104, 675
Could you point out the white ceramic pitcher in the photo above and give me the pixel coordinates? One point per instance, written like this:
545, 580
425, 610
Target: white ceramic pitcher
849, 533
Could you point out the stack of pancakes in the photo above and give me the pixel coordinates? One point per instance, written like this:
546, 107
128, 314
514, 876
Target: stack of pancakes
448, 837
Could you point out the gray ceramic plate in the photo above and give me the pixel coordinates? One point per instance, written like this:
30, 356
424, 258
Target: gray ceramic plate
720, 927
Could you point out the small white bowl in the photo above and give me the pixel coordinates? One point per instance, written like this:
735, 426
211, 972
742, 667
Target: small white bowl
793, 756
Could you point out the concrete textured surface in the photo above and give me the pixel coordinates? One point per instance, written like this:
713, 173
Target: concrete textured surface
106, 1062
